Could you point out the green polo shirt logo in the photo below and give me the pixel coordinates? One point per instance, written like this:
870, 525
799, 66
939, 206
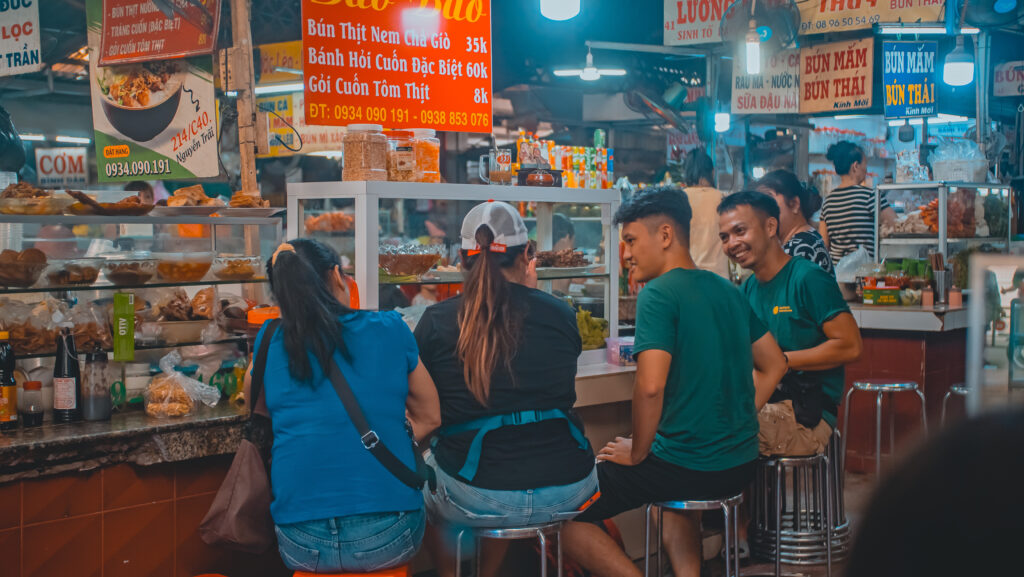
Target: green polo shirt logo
781, 309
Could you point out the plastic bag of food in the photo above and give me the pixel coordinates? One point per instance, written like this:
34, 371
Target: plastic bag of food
209, 359
91, 330
849, 265
196, 391
166, 396
33, 328
203, 304
173, 305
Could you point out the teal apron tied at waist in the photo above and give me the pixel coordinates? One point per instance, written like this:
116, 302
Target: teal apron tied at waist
485, 425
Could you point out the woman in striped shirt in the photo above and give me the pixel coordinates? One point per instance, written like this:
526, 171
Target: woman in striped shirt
848, 215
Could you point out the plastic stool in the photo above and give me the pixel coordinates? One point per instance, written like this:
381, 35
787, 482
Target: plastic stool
729, 507
528, 532
880, 387
402, 571
957, 389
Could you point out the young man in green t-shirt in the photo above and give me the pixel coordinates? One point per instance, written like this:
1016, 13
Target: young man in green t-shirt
705, 365
803, 309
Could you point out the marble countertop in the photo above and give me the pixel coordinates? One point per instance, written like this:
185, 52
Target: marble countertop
938, 318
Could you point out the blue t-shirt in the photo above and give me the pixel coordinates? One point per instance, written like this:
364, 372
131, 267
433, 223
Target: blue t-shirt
320, 468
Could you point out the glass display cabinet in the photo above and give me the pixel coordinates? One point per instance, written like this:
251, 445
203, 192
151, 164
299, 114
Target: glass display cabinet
409, 255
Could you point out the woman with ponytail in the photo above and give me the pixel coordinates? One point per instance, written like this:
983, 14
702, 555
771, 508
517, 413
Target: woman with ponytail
510, 450
797, 204
335, 507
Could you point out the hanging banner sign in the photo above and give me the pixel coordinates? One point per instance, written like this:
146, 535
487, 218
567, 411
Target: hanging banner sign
280, 62
822, 16
693, 21
1009, 79
146, 30
154, 120
678, 143
19, 37
908, 74
287, 117
837, 76
62, 167
401, 64
776, 90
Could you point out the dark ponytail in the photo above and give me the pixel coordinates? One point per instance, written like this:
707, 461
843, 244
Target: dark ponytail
843, 154
309, 310
489, 328
786, 183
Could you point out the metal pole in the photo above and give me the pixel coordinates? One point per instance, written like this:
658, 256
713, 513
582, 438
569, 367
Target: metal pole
982, 73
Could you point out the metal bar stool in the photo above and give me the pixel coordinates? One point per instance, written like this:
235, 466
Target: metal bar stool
883, 387
793, 515
729, 507
402, 571
958, 389
541, 532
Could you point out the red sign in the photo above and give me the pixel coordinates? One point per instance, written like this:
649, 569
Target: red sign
62, 167
400, 63
146, 30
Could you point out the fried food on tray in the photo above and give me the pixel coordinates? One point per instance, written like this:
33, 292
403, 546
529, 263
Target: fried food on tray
24, 190
243, 199
330, 222
567, 258
188, 196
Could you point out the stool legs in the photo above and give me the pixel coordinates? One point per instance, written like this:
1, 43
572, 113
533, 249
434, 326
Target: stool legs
778, 521
924, 414
728, 538
878, 434
846, 418
458, 553
647, 540
543, 553
945, 401
829, 522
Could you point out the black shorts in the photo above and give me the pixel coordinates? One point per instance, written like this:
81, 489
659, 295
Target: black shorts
624, 488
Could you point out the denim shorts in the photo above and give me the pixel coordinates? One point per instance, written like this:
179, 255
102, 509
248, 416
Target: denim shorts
456, 503
356, 543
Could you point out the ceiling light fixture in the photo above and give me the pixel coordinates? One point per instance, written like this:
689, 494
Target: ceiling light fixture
590, 72
32, 137
958, 69
559, 10
279, 88
753, 42
722, 122
73, 139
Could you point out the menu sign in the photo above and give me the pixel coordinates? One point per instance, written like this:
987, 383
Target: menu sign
1009, 79
280, 62
154, 120
403, 64
145, 30
776, 90
837, 76
693, 21
19, 37
821, 16
287, 117
908, 73
62, 167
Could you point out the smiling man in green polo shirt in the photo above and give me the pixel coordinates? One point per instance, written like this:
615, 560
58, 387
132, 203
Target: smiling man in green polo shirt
803, 309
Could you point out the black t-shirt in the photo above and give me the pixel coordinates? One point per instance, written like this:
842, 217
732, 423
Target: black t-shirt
515, 457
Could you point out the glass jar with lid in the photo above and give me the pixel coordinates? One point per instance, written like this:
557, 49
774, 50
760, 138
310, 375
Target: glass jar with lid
428, 155
365, 153
401, 156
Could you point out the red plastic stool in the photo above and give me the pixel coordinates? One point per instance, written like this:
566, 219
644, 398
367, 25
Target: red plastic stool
395, 572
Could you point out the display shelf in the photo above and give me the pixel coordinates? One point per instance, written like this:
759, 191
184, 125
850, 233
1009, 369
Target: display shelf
433, 281
92, 219
934, 185
111, 287
930, 241
149, 347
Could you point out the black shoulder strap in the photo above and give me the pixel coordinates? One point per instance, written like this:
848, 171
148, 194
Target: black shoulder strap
260, 365
369, 438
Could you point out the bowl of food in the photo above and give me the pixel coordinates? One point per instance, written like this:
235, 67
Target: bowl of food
21, 269
183, 266
236, 267
407, 261
130, 269
74, 272
23, 198
140, 100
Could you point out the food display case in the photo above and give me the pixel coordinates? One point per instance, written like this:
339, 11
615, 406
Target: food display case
412, 246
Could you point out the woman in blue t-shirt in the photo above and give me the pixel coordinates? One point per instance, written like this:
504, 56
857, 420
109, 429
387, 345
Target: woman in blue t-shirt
335, 507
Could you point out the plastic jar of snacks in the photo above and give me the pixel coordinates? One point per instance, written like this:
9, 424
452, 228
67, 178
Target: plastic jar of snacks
365, 153
401, 156
428, 155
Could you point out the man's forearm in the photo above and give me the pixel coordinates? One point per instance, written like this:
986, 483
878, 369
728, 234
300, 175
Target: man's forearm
828, 355
646, 416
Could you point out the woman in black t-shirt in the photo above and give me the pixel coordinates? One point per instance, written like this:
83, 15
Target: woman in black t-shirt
797, 205
510, 450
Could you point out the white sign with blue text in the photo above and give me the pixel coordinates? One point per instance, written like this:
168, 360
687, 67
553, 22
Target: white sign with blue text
19, 37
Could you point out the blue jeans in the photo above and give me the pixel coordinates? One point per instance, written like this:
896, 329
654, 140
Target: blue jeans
456, 503
356, 543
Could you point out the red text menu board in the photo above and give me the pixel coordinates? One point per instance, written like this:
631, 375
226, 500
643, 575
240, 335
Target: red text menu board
142, 31
837, 76
400, 63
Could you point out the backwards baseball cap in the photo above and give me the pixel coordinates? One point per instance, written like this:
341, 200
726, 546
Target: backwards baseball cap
503, 221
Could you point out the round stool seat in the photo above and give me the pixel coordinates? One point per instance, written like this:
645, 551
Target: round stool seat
402, 571
885, 386
959, 389
526, 532
709, 505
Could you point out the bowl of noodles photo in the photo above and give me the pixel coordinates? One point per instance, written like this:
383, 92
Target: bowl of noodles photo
140, 100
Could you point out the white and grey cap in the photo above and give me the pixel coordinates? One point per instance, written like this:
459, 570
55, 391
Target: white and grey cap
503, 220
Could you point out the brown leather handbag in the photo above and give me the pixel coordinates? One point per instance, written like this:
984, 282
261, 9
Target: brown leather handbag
240, 515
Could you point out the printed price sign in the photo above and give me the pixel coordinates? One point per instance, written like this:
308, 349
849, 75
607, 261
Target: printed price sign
908, 73
693, 21
400, 63
821, 16
775, 91
19, 37
1009, 79
145, 30
837, 76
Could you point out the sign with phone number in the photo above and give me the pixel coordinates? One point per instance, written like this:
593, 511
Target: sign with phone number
822, 16
137, 168
403, 64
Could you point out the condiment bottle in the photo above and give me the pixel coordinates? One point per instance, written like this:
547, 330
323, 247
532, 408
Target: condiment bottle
8, 386
956, 298
32, 404
428, 155
96, 403
67, 396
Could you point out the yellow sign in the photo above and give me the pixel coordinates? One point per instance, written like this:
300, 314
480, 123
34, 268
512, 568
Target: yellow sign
823, 16
286, 115
277, 59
